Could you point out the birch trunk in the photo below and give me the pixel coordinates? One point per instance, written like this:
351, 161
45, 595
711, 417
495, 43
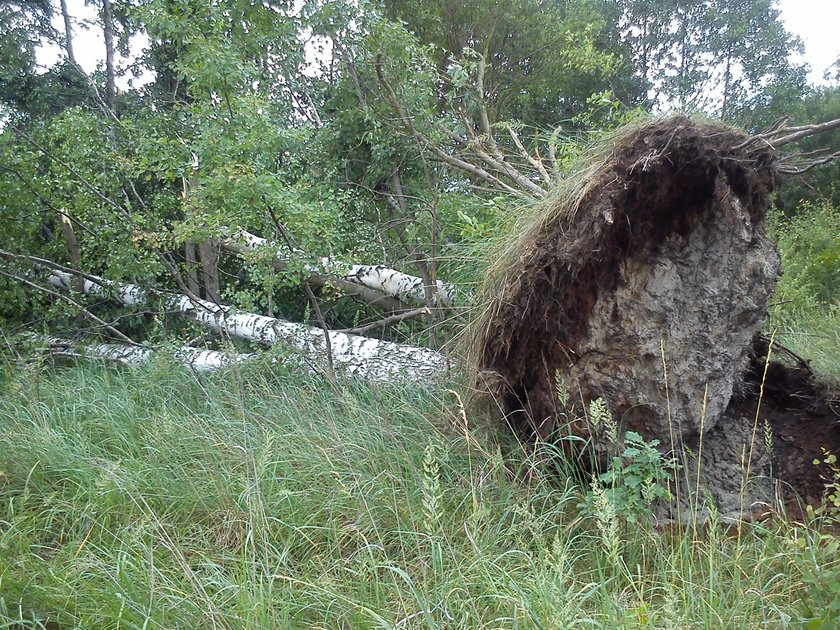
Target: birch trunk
376, 277
370, 359
371, 296
195, 358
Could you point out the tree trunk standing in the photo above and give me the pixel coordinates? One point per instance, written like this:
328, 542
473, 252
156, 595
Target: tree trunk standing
429, 279
68, 33
208, 251
110, 70
727, 84
192, 269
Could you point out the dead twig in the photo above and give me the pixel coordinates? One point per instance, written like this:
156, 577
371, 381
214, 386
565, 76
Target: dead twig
791, 169
387, 321
780, 136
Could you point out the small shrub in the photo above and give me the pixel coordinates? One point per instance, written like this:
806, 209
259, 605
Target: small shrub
636, 477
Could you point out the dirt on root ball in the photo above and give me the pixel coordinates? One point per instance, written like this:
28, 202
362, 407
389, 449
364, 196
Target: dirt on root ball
803, 415
653, 254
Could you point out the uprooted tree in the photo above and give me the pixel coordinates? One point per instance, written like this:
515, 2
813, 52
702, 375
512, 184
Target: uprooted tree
645, 282
259, 194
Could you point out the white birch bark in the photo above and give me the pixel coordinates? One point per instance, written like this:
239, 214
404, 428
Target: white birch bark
377, 277
370, 359
195, 358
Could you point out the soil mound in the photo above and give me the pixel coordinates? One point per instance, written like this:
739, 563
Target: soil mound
642, 281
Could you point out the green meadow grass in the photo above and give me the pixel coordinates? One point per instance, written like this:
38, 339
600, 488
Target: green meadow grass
154, 498
812, 333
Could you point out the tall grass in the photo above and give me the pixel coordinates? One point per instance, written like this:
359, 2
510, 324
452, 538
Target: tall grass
157, 499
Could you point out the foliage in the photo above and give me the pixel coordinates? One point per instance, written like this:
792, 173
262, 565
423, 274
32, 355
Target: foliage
634, 482
676, 51
809, 244
22, 24
260, 498
279, 119
805, 310
543, 58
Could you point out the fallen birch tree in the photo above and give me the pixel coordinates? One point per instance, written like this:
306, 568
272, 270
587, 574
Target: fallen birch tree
194, 358
319, 279
371, 359
381, 279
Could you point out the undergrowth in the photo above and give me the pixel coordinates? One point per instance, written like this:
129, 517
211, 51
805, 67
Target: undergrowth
154, 498
806, 308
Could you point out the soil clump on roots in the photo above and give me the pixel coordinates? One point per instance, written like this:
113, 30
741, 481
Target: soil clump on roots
643, 281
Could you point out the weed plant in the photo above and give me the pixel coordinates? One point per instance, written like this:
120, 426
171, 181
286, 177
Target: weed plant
252, 498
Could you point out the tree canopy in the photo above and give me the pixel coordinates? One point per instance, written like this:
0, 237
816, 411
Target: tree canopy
376, 132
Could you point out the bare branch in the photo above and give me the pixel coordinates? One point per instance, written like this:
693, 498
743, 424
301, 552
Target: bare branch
330, 369
482, 105
387, 321
487, 150
354, 74
453, 161
552, 155
781, 136
791, 169
535, 162
804, 132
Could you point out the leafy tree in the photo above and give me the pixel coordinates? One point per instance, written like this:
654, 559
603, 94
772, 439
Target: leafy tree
730, 58
543, 59
23, 91
400, 141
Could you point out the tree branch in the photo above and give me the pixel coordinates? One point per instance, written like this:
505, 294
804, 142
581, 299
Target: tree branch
778, 137
442, 155
535, 162
387, 321
791, 169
